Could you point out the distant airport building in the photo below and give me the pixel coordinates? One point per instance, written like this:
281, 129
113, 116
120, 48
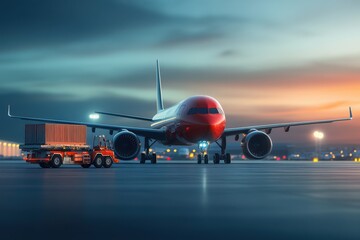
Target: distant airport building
9, 149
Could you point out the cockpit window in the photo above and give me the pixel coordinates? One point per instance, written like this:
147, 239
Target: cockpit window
213, 111
193, 111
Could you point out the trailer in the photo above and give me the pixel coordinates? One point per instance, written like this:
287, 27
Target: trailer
52, 145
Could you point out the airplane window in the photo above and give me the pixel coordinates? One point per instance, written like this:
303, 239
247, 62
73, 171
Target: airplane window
193, 111
213, 111
202, 110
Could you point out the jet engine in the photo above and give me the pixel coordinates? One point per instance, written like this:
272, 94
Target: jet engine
256, 145
126, 145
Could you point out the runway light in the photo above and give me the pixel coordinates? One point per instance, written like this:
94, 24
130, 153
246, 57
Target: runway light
94, 116
315, 160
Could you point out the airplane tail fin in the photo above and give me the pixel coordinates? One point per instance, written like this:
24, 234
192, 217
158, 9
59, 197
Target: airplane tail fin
159, 99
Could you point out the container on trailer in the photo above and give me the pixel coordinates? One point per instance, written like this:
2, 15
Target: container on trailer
55, 134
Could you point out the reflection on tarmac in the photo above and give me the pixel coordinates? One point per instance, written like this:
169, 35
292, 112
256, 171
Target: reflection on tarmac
246, 200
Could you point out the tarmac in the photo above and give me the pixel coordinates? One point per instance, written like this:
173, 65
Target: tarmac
181, 200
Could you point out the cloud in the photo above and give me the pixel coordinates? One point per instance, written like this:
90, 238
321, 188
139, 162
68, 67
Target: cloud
42, 22
228, 53
178, 38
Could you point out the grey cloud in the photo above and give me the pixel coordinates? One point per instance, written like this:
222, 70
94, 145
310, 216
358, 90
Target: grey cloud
228, 53
38, 22
177, 38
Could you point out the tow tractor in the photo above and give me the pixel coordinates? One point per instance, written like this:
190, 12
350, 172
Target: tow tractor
55, 155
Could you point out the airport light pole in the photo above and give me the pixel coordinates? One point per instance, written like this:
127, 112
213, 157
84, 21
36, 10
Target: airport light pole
318, 137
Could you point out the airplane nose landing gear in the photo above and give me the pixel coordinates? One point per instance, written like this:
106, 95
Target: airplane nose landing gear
203, 147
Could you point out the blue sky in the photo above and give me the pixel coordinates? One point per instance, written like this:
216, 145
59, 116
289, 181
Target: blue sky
265, 61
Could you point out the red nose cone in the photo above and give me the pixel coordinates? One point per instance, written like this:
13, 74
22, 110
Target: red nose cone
200, 131
203, 119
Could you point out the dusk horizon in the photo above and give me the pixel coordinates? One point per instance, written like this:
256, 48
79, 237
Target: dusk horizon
264, 61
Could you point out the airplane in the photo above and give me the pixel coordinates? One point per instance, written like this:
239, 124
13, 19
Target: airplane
196, 120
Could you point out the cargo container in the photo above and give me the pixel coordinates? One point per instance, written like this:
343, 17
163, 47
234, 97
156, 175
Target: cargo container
51, 145
55, 134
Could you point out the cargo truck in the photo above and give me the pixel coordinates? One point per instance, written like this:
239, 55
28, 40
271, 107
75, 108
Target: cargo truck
52, 145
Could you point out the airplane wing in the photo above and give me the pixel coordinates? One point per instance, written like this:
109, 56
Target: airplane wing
286, 126
125, 116
157, 134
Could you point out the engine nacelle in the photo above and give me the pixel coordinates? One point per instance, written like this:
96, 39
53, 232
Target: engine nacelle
256, 145
126, 145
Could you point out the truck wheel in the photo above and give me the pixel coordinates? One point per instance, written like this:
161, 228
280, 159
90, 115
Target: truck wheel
56, 161
98, 161
108, 162
44, 165
85, 165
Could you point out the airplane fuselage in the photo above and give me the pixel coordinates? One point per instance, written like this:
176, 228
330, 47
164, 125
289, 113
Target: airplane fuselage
195, 119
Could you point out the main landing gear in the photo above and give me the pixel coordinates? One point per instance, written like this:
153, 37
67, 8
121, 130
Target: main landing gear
146, 155
223, 155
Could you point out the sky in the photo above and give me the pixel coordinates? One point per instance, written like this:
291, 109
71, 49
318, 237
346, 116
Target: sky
265, 61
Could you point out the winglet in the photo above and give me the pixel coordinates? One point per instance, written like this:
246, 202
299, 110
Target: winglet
350, 111
159, 99
9, 114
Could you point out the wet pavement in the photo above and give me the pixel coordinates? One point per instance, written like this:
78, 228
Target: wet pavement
243, 200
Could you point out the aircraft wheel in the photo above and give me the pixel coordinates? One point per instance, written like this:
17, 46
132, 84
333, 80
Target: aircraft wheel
85, 165
142, 158
206, 159
56, 161
216, 158
153, 158
108, 162
227, 158
98, 161
44, 165
199, 158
